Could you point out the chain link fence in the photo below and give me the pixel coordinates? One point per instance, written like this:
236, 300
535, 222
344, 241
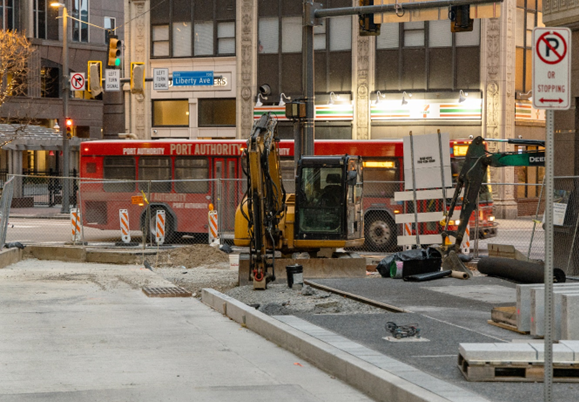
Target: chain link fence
186, 205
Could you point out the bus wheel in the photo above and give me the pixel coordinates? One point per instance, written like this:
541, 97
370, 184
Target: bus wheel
380, 232
149, 230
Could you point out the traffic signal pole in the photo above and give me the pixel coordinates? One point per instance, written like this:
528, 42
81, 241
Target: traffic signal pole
312, 13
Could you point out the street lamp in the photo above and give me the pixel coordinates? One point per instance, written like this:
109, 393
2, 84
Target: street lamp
65, 144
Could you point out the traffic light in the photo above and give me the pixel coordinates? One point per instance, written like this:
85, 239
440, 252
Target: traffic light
460, 21
114, 52
367, 26
95, 77
137, 78
69, 124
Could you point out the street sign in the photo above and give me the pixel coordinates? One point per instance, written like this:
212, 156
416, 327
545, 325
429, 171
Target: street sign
77, 82
112, 80
551, 68
160, 79
192, 78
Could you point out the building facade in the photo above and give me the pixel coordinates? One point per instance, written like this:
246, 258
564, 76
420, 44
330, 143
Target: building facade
416, 76
42, 105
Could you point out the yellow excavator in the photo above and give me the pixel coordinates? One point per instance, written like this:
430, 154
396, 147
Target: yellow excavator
325, 212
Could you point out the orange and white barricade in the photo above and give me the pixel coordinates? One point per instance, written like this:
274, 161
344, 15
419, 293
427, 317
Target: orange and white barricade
124, 220
160, 227
407, 232
213, 226
466, 242
75, 220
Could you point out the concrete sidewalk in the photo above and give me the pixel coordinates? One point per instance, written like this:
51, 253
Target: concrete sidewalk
86, 332
39, 213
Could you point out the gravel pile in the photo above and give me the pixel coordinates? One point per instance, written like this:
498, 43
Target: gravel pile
281, 300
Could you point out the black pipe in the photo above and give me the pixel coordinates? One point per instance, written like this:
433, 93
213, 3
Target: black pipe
428, 276
521, 271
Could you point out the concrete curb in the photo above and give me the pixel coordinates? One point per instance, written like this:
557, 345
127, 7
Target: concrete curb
59, 216
366, 377
10, 256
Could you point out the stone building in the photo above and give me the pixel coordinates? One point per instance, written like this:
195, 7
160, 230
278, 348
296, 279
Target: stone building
43, 106
417, 76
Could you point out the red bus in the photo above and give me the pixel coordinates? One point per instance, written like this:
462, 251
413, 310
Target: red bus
185, 176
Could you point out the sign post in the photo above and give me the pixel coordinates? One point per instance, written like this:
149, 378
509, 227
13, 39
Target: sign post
550, 91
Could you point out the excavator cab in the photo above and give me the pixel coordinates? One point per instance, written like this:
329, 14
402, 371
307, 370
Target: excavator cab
328, 199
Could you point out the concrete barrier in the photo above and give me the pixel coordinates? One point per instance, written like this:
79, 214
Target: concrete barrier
524, 302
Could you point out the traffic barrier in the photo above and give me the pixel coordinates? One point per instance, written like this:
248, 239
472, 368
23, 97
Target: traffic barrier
75, 220
466, 242
213, 225
124, 219
160, 227
408, 232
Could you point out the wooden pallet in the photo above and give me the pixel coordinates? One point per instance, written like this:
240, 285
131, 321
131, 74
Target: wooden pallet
167, 292
516, 372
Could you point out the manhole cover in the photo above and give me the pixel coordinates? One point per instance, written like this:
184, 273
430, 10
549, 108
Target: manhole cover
167, 292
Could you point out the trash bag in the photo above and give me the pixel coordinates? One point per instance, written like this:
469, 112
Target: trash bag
411, 262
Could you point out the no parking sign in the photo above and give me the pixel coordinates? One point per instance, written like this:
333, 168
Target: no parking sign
551, 68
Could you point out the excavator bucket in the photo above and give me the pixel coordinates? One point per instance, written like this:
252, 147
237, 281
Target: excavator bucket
451, 261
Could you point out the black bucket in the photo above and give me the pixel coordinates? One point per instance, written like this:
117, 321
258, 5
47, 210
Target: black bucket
294, 275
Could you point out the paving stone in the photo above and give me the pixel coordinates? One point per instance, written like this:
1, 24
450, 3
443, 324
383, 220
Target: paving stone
497, 352
573, 346
560, 353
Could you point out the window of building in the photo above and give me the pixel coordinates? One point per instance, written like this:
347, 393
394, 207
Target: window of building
160, 39
427, 56
7, 14
119, 168
196, 173
527, 18
39, 12
110, 25
49, 81
186, 28
280, 49
216, 112
80, 29
268, 35
291, 34
167, 113
158, 170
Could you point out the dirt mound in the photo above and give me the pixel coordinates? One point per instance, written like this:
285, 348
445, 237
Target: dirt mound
193, 256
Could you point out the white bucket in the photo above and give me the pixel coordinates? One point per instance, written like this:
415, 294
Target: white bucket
234, 262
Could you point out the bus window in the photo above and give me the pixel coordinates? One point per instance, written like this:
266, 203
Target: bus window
191, 169
287, 167
155, 168
120, 168
381, 177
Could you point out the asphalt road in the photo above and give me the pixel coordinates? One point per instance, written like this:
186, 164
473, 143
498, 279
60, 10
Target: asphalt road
516, 232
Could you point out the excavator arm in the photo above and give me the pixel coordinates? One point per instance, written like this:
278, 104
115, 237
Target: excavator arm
472, 175
265, 198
